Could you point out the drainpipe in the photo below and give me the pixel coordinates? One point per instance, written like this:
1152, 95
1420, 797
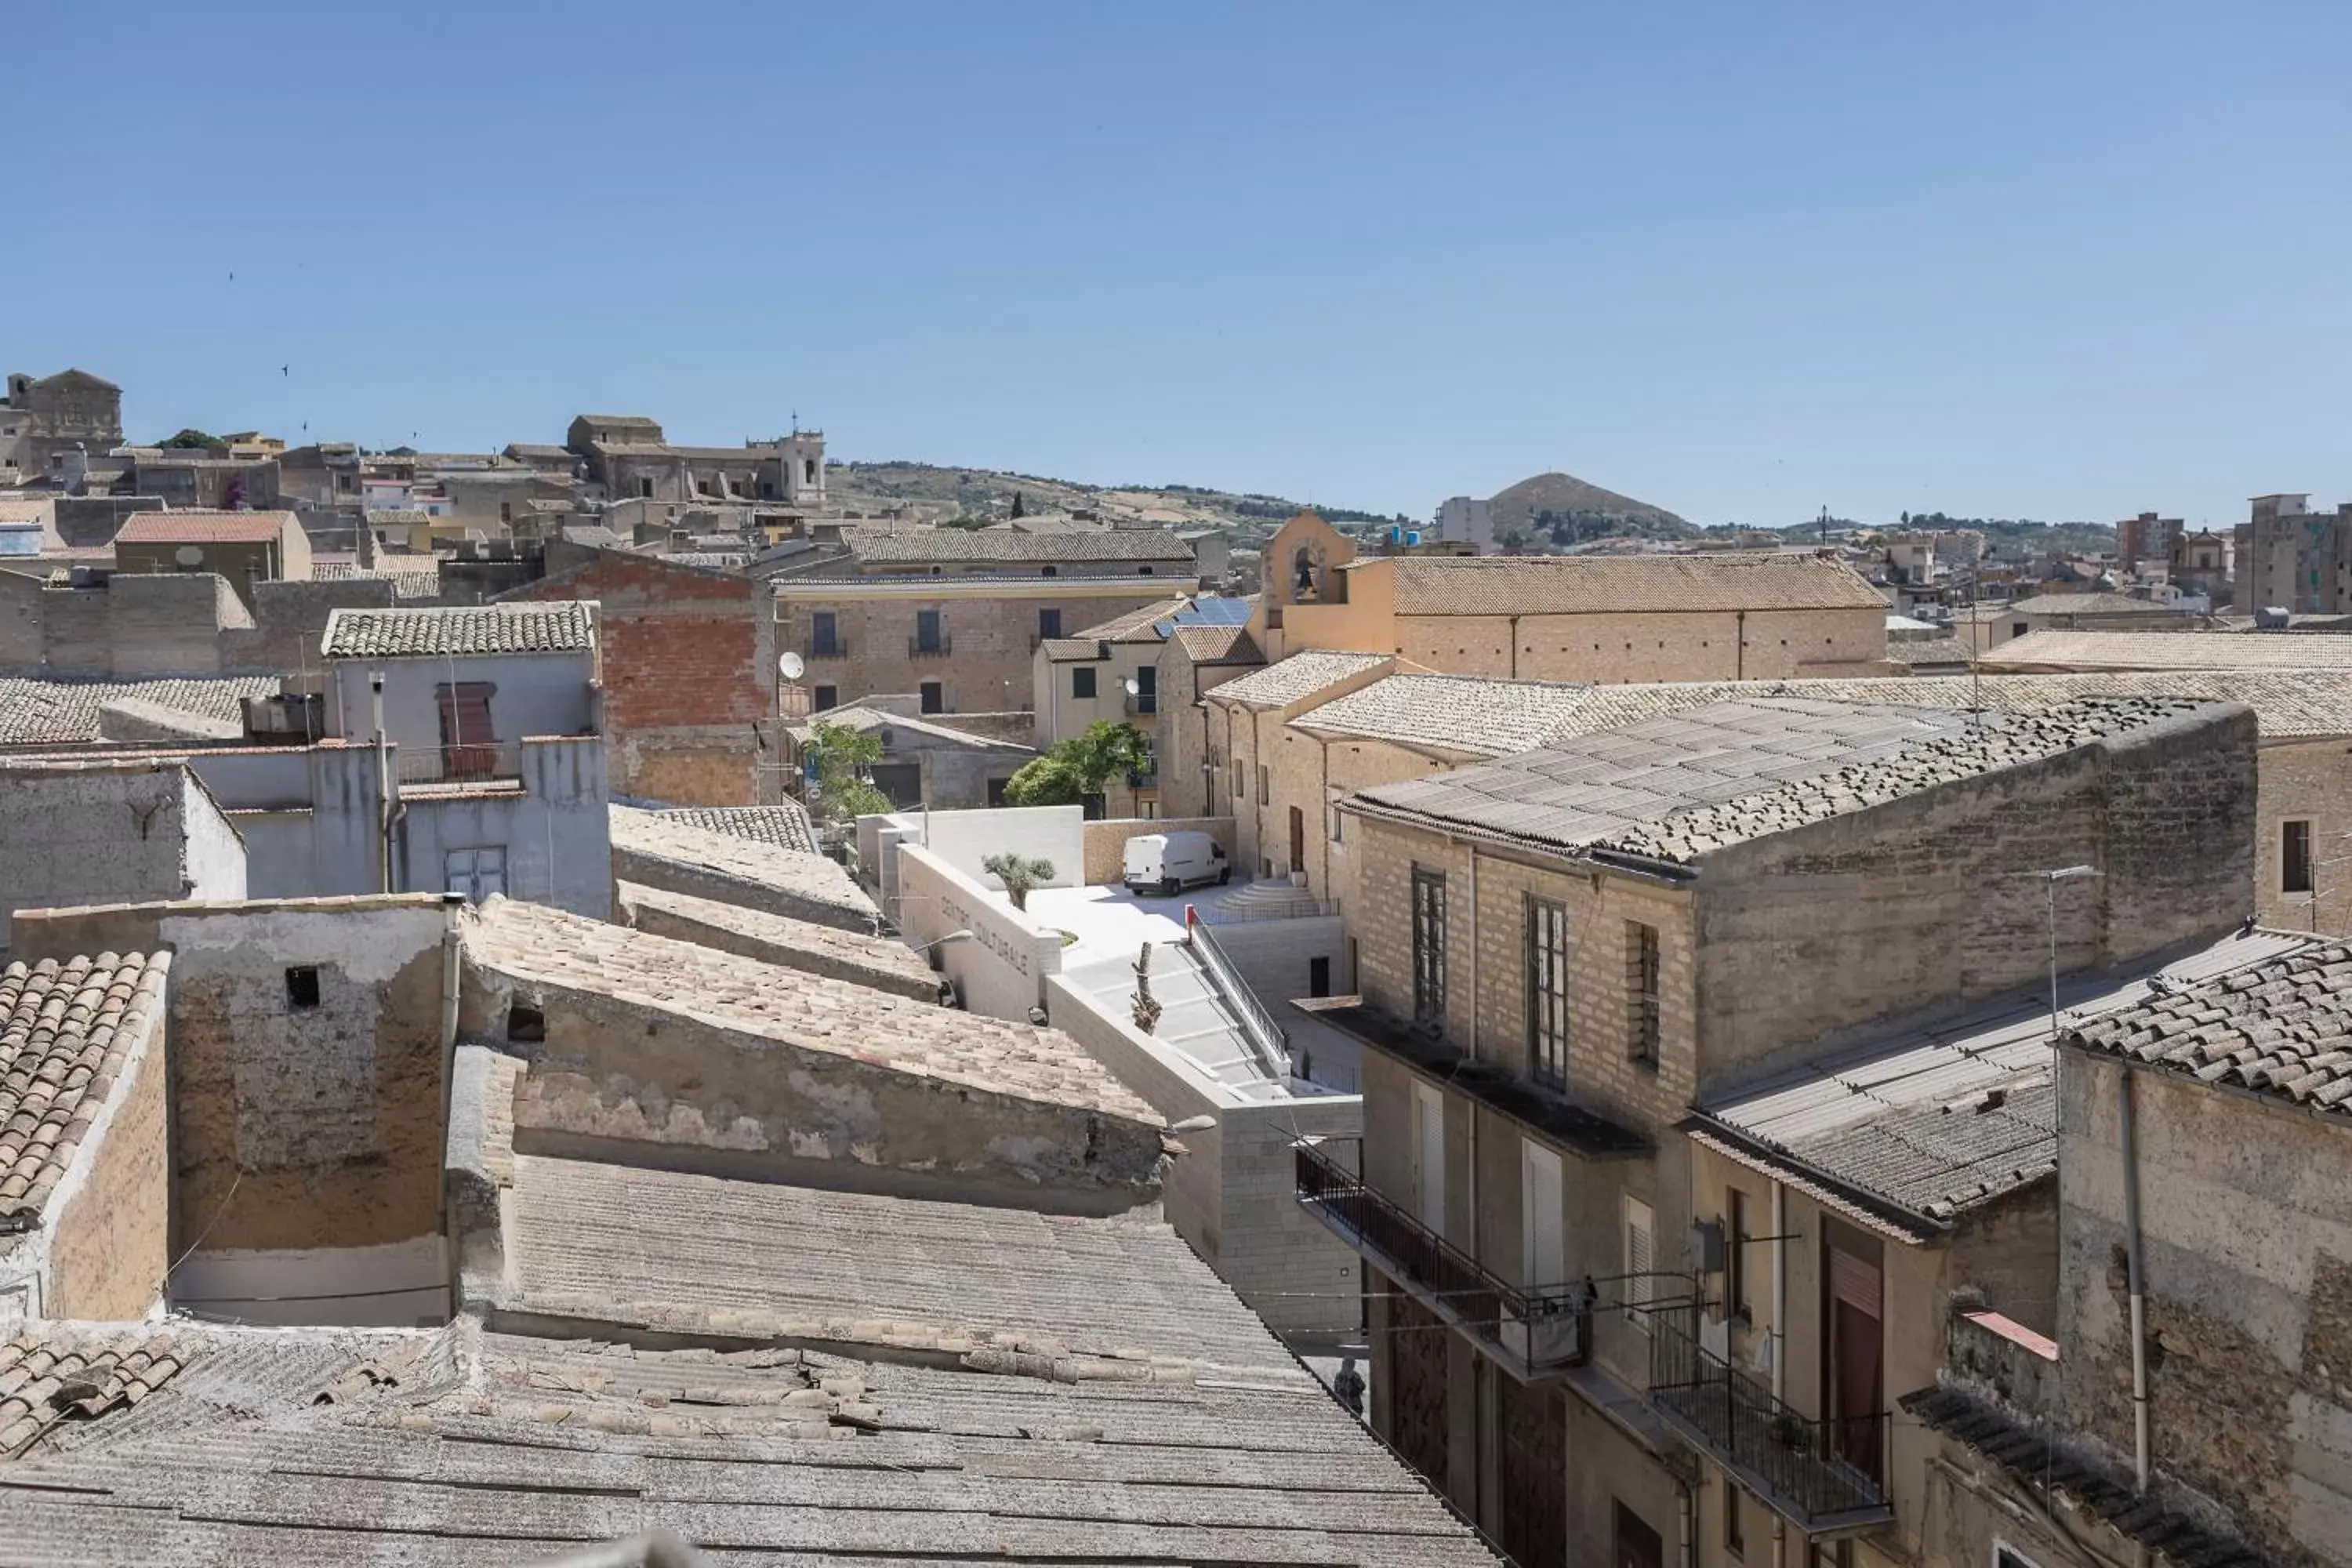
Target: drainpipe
1779, 1337
452, 960
1688, 1553
1739, 656
383, 782
2137, 1281
1478, 1252
1515, 647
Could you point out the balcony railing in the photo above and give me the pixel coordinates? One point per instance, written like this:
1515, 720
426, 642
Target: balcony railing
1143, 703
1264, 1036
1826, 1477
837, 648
936, 647
493, 760
1537, 1333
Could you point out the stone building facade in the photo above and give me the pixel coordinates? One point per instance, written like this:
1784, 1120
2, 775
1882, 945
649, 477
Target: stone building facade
47, 415
629, 457
1576, 1020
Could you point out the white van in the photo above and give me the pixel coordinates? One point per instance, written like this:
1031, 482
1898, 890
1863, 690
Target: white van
1163, 863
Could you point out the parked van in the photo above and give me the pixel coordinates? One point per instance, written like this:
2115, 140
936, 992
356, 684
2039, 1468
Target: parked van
1163, 863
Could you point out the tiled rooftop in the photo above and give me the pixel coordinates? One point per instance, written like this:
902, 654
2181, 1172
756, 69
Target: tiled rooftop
2289, 703
1673, 789
871, 720
785, 826
60, 1373
545, 946
411, 576
2173, 650
1136, 625
1927, 1121
2090, 605
950, 546
736, 857
465, 1447
883, 962
1300, 676
1608, 584
1218, 645
66, 1029
2283, 1029
204, 527
1451, 712
560, 626
65, 713
1927, 650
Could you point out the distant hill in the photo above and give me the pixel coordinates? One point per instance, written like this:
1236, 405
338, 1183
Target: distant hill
1563, 509
944, 494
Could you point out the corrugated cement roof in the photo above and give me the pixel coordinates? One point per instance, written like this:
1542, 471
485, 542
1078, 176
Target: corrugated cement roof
1603, 584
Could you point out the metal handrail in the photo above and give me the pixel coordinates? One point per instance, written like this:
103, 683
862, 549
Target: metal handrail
837, 648
460, 764
1264, 1036
1820, 1470
917, 648
1521, 1320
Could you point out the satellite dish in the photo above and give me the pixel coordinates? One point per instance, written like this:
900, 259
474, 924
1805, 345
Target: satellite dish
1134, 687
188, 555
792, 665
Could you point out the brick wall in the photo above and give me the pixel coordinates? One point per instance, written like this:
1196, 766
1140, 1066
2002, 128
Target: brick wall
688, 672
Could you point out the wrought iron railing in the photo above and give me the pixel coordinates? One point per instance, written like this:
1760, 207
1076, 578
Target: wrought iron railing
1264, 1036
460, 764
1544, 1329
837, 648
936, 647
1820, 1473
1142, 702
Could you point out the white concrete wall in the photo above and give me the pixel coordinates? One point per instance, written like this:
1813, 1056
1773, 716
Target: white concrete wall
400, 1285
964, 839
1275, 956
213, 856
1002, 969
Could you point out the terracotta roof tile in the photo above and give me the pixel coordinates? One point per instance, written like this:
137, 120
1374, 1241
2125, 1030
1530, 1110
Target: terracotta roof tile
2283, 1029
60, 1373
923, 545
204, 527
66, 1030
2173, 650
1301, 675
1455, 712
560, 626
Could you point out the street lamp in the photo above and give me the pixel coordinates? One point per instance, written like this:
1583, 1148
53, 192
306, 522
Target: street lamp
2050, 880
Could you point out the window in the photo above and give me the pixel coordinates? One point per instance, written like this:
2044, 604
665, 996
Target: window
1546, 924
1428, 946
1735, 1528
1241, 786
827, 696
646, 488
934, 696
469, 748
1264, 786
474, 874
1049, 623
1338, 824
1049, 570
1429, 1155
1082, 682
302, 987
2294, 856
1642, 993
1735, 1255
927, 632
1543, 1223
1147, 807
824, 634
506, 512
808, 471
1147, 689
525, 1025
1641, 1286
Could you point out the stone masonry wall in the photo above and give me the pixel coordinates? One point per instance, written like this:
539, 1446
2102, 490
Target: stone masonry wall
109, 1241
1610, 648
2247, 1239
2305, 781
987, 666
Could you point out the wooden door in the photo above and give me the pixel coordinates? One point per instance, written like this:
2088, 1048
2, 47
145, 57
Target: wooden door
1856, 1361
1297, 839
1417, 1385
1533, 1432
1637, 1545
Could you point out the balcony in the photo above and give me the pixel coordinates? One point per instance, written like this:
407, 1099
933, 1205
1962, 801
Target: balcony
1142, 702
1826, 1477
491, 762
936, 647
836, 648
1534, 1335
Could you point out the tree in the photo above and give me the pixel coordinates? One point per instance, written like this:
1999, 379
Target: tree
1072, 770
1020, 504
192, 440
845, 788
1019, 873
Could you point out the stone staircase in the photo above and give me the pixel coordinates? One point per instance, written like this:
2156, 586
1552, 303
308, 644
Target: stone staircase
1274, 899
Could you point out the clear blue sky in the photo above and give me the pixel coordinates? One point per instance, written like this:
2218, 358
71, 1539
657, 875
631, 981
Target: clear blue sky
1738, 259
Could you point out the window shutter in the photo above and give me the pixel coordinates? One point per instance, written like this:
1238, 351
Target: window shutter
1855, 1281
1640, 1287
